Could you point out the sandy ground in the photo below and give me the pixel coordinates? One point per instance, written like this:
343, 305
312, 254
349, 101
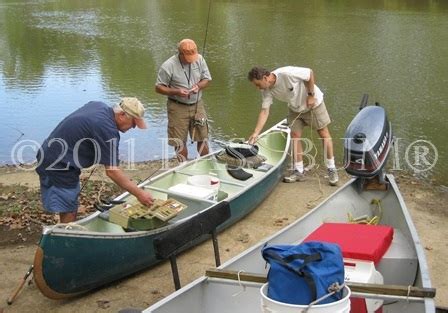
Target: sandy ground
286, 203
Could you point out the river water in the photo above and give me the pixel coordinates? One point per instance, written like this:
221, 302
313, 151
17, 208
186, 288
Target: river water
57, 55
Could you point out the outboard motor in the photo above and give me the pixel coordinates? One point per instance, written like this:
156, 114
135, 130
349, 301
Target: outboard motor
368, 140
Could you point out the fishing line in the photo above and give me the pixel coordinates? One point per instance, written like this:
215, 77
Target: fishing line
158, 168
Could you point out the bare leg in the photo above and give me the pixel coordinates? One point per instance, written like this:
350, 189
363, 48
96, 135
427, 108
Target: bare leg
324, 133
202, 148
67, 217
297, 146
297, 157
182, 152
333, 176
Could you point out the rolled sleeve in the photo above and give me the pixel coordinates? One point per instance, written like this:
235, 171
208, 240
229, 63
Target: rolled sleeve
163, 77
205, 74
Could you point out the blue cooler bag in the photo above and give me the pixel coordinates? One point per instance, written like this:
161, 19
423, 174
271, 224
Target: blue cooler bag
302, 273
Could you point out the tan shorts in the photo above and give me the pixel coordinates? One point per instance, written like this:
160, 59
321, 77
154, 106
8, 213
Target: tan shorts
316, 118
181, 122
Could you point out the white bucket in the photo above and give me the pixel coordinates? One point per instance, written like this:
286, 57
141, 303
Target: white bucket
271, 306
205, 181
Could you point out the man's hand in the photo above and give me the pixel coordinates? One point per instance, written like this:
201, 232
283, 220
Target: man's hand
310, 101
145, 198
182, 92
253, 138
194, 89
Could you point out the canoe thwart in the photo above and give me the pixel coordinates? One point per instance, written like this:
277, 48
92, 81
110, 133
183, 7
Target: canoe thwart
392, 290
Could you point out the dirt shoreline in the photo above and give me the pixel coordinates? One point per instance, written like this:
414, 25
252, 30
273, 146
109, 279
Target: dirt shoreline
426, 203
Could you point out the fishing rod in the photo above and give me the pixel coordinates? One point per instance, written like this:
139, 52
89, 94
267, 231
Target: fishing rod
200, 122
20, 287
206, 27
105, 205
18, 130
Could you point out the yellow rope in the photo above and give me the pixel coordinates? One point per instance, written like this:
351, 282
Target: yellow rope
374, 220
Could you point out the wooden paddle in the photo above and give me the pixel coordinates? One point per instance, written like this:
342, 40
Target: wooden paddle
379, 289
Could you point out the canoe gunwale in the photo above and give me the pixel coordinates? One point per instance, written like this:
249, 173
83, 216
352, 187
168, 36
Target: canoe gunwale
423, 268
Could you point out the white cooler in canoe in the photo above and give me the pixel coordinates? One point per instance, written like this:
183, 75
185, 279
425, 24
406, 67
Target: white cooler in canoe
196, 192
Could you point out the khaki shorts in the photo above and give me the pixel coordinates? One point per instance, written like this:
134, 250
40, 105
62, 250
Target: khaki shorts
181, 122
316, 118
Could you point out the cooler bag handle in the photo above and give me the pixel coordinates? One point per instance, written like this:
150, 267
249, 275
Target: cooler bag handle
307, 258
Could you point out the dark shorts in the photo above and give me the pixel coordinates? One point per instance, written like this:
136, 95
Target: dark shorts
316, 118
58, 199
181, 123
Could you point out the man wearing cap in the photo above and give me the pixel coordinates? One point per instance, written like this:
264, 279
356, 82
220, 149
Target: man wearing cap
182, 78
86, 137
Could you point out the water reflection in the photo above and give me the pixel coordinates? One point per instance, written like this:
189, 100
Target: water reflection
57, 55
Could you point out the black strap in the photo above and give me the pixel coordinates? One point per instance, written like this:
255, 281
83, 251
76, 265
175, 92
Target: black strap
238, 173
307, 258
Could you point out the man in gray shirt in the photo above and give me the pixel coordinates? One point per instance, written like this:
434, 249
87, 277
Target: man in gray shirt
182, 78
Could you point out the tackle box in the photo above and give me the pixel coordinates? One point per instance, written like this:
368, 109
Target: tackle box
139, 217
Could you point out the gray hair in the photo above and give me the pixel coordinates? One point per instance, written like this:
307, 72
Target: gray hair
117, 108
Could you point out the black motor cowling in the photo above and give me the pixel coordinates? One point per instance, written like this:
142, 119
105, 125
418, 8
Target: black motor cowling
368, 140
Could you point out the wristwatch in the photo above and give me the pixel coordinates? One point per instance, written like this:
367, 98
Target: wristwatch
311, 94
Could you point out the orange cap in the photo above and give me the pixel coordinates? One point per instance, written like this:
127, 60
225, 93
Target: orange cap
189, 50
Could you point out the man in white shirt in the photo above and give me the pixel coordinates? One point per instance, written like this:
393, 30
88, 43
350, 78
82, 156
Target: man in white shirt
296, 87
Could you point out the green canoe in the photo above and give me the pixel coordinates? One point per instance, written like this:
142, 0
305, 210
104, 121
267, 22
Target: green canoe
71, 260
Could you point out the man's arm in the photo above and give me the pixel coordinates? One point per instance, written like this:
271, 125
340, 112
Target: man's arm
172, 91
202, 84
262, 118
309, 85
120, 178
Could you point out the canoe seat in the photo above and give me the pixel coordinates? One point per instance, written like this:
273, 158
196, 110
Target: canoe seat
357, 241
172, 242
